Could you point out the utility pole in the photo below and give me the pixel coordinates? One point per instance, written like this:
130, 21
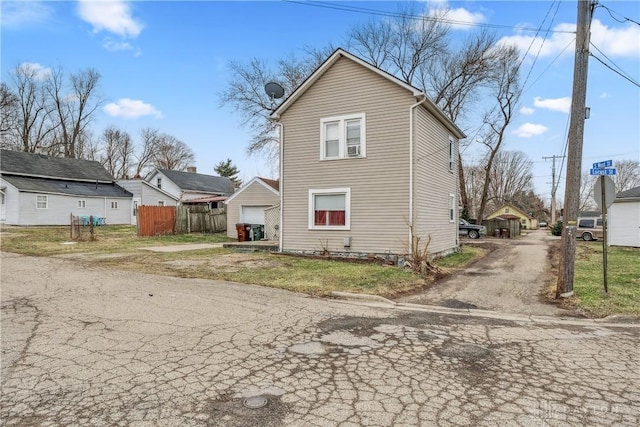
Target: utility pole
564, 285
554, 186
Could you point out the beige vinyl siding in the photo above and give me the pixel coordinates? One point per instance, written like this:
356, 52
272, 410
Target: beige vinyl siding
434, 182
379, 183
255, 194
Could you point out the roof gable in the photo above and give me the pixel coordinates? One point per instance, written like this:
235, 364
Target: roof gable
191, 181
269, 184
515, 208
340, 53
38, 165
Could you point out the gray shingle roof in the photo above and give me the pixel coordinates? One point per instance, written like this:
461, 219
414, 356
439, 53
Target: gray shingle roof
75, 188
628, 194
39, 165
199, 182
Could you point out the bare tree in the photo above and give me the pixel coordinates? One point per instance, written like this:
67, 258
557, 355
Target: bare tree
87, 147
34, 127
507, 92
171, 153
117, 152
144, 154
587, 202
8, 116
511, 175
473, 189
627, 174
403, 46
75, 105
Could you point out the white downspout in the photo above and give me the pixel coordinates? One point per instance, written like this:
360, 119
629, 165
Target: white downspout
281, 155
411, 169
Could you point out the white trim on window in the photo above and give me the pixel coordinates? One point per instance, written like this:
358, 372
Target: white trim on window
452, 208
451, 153
346, 191
341, 146
161, 203
82, 204
42, 201
114, 204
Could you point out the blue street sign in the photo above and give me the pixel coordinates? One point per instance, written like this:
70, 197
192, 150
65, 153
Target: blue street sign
605, 164
606, 171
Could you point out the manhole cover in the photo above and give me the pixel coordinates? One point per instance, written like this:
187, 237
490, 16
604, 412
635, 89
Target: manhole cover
255, 402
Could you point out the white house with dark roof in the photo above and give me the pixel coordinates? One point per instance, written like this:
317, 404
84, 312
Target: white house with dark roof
44, 190
145, 194
624, 219
190, 185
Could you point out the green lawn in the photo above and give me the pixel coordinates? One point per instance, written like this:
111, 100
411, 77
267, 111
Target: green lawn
623, 280
119, 247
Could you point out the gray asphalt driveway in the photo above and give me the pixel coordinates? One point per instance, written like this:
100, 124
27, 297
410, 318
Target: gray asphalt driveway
86, 346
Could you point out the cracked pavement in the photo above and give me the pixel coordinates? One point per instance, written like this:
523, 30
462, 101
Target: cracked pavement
88, 346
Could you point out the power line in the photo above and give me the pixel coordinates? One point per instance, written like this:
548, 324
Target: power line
378, 12
625, 19
621, 74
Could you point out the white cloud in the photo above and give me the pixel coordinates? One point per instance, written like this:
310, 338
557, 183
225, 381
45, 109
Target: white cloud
605, 95
113, 16
34, 69
562, 105
528, 130
621, 42
131, 109
16, 14
527, 111
120, 46
462, 19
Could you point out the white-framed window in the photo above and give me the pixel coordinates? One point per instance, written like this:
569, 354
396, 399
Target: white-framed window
82, 204
114, 204
343, 137
330, 209
159, 183
451, 153
452, 207
42, 202
160, 202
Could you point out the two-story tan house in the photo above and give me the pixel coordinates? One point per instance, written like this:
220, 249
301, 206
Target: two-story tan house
363, 156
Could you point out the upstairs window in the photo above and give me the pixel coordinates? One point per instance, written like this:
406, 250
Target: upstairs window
342, 137
159, 183
451, 153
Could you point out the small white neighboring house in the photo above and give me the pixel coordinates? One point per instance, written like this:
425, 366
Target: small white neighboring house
249, 203
190, 185
145, 194
624, 219
44, 190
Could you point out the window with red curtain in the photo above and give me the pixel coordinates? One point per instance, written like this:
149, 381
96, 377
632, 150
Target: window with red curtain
329, 209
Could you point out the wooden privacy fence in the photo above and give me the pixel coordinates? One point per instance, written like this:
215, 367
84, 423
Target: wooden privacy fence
200, 219
156, 220
502, 228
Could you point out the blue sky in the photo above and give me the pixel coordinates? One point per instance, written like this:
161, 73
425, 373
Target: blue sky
163, 65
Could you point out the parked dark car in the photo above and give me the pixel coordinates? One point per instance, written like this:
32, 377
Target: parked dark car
474, 231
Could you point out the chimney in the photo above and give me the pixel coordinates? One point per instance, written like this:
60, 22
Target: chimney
191, 169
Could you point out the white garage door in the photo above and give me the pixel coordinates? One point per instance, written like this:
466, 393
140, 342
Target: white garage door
252, 214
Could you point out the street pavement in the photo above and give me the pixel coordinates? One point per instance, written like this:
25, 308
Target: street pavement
85, 346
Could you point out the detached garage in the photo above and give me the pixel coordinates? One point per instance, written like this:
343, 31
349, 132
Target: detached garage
624, 219
248, 204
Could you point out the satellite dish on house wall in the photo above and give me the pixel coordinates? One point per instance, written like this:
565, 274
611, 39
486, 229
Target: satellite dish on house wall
274, 90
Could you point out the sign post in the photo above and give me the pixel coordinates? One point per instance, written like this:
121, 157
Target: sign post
604, 192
